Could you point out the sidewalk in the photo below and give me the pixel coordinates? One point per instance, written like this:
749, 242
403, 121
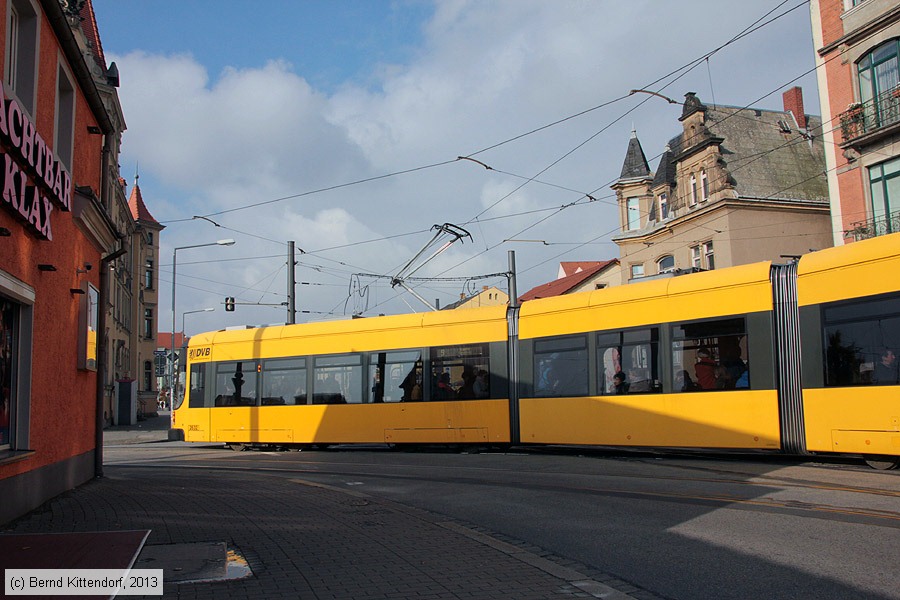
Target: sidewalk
289, 538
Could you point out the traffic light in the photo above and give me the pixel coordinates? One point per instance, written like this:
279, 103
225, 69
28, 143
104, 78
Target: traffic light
229, 304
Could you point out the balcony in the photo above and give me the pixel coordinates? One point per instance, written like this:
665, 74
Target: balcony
864, 118
863, 230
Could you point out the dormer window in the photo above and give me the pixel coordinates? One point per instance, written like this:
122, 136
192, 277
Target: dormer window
633, 210
663, 206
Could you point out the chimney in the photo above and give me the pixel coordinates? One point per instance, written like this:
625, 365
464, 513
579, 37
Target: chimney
793, 102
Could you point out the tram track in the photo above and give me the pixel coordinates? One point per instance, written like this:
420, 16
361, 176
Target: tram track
265, 464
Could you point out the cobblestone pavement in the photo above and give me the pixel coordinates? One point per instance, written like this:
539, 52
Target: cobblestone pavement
304, 540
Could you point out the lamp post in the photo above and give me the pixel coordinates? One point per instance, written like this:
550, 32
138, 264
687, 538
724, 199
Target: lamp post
172, 380
189, 312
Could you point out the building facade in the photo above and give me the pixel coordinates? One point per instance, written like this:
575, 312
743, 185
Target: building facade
857, 52
738, 185
580, 276
56, 242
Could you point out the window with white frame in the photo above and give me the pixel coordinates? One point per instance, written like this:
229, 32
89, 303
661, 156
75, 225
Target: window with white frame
22, 51
663, 206
696, 260
633, 210
693, 190
704, 187
666, 264
708, 256
148, 274
884, 184
65, 117
637, 271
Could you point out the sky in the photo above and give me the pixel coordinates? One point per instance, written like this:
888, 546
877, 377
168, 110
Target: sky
340, 124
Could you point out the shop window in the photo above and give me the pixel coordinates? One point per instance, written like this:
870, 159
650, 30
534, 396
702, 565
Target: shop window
460, 372
284, 381
16, 324
862, 342
710, 355
634, 357
395, 376
22, 51
561, 367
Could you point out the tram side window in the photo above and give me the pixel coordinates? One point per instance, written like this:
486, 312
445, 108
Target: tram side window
284, 381
338, 379
561, 367
198, 386
236, 383
395, 376
862, 342
710, 355
634, 354
461, 372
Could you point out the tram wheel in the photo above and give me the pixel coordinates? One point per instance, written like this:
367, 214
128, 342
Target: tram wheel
883, 463
237, 447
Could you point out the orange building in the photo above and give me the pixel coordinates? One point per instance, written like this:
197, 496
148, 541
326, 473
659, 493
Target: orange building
55, 244
858, 47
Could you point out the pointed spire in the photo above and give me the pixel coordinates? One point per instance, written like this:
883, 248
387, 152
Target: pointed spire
136, 204
635, 162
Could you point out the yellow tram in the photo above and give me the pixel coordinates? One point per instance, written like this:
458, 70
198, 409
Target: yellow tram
788, 358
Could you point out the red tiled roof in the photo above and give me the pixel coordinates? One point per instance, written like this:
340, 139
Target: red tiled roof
570, 268
92, 32
565, 284
138, 208
164, 339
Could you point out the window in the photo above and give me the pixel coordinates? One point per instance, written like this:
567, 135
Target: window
148, 324
637, 271
561, 367
634, 354
284, 381
879, 77
862, 342
461, 372
884, 181
197, 396
663, 206
704, 187
148, 274
236, 383
696, 261
396, 376
21, 52
149, 238
338, 379
65, 117
148, 376
693, 190
666, 264
9, 325
634, 213
708, 255
710, 355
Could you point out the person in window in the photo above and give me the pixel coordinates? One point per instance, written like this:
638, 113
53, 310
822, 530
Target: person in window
684, 383
467, 390
620, 385
481, 385
886, 369
444, 390
705, 370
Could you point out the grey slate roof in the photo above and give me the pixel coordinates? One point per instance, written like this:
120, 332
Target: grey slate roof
764, 161
635, 161
665, 171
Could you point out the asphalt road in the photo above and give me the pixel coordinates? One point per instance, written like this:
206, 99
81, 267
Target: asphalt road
682, 527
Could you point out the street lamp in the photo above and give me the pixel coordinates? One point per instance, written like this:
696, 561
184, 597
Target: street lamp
172, 380
188, 312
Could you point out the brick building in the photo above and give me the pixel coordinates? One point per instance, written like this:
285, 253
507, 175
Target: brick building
59, 138
858, 45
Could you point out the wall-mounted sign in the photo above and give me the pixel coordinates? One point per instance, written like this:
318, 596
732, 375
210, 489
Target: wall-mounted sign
32, 178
